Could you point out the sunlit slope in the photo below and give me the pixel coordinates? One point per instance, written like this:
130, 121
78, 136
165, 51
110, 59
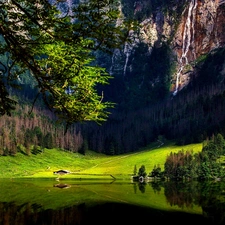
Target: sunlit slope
91, 165
124, 164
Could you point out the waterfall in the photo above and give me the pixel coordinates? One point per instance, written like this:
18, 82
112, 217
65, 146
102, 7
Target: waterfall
117, 52
187, 41
128, 48
127, 54
70, 5
221, 2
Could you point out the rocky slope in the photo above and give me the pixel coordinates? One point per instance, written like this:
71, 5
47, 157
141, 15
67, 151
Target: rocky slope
170, 82
192, 32
172, 77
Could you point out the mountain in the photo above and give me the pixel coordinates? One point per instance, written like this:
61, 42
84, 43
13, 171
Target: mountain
169, 83
174, 36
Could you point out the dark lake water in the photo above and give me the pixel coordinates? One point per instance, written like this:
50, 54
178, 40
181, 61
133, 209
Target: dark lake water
44, 202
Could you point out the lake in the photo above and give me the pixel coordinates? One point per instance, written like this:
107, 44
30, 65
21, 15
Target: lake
47, 201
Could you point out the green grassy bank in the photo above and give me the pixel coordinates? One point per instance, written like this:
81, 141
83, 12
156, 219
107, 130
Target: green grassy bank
89, 166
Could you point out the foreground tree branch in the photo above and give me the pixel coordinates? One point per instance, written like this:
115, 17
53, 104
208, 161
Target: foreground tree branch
58, 52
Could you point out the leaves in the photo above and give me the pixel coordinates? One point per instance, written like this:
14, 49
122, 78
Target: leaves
57, 50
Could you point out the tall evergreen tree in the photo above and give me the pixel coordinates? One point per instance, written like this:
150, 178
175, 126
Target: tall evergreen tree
142, 171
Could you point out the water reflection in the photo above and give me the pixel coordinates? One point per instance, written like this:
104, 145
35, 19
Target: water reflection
61, 185
75, 202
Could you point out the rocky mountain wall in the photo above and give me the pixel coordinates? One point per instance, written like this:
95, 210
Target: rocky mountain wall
179, 40
200, 31
189, 28
196, 31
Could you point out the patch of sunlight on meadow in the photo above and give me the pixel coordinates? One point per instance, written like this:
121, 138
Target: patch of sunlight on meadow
124, 164
91, 164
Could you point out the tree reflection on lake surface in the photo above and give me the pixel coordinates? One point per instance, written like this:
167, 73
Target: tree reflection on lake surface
45, 202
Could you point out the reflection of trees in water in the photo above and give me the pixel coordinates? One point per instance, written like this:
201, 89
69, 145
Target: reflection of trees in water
28, 214
208, 195
101, 213
180, 194
156, 186
213, 201
215, 210
135, 188
141, 186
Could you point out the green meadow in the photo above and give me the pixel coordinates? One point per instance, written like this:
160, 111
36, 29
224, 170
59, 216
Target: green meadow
92, 165
90, 180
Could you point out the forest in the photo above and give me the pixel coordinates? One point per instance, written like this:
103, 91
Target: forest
208, 164
190, 117
143, 110
30, 132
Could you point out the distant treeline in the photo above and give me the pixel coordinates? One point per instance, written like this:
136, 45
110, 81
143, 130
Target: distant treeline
189, 118
31, 131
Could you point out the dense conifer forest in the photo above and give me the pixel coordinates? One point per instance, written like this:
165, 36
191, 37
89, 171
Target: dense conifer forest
30, 132
208, 164
192, 116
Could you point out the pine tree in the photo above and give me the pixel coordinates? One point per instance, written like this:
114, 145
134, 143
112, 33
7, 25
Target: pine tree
135, 170
142, 172
83, 148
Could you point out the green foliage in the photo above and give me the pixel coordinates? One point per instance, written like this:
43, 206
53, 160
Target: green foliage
202, 165
57, 50
214, 148
135, 170
84, 147
48, 141
142, 172
156, 172
7, 104
211, 150
36, 150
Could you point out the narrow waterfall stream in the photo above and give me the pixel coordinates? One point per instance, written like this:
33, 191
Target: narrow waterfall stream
128, 47
70, 5
188, 37
127, 54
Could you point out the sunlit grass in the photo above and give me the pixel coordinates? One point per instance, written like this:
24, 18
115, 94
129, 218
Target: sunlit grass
92, 165
124, 164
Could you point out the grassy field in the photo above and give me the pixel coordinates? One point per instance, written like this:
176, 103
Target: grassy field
89, 166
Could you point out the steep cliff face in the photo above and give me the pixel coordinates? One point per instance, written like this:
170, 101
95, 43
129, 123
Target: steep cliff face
170, 82
190, 28
201, 30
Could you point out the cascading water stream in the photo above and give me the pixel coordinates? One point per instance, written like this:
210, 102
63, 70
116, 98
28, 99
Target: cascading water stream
127, 54
128, 47
70, 5
188, 37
